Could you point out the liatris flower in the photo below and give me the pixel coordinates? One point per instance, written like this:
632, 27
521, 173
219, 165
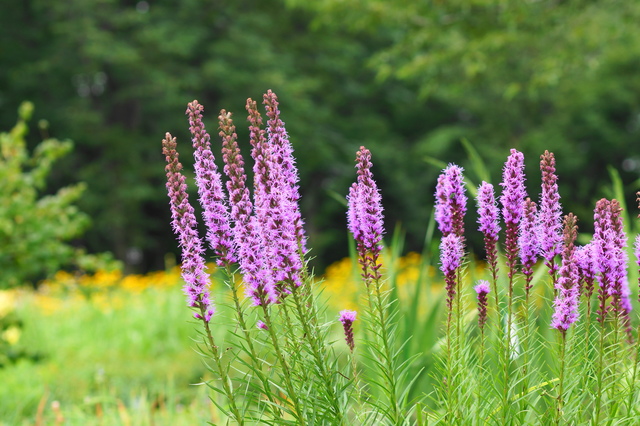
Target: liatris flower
283, 211
550, 214
285, 162
347, 318
246, 238
528, 242
365, 216
212, 197
602, 251
184, 225
451, 253
489, 226
620, 289
261, 325
587, 267
512, 200
566, 303
610, 241
482, 290
451, 203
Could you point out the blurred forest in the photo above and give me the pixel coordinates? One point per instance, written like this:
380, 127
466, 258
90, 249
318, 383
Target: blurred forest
410, 80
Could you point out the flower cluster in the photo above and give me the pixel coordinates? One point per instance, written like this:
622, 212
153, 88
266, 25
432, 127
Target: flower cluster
266, 236
512, 200
566, 303
489, 224
550, 216
482, 290
451, 203
364, 216
528, 241
185, 226
347, 318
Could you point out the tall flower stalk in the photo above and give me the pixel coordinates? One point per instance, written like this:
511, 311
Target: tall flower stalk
365, 223
566, 302
450, 209
488, 219
197, 281
512, 200
609, 246
482, 289
529, 248
288, 250
240, 215
550, 214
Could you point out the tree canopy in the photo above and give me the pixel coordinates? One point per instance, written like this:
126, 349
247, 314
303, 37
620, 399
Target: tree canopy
407, 79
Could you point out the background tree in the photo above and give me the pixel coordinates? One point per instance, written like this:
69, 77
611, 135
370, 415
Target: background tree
407, 79
35, 230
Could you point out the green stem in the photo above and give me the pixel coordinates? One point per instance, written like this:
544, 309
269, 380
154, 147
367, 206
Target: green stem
318, 350
599, 379
560, 400
253, 354
221, 372
286, 372
506, 362
388, 356
632, 384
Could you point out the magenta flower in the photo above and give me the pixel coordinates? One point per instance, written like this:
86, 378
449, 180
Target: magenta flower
550, 214
528, 241
587, 267
482, 290
282, 210
451, 253
489, 224
610, 244
183, 222
364, 216
566, 302
512, 200
247, 241
209, 183
451, 203
261, 325
347, 318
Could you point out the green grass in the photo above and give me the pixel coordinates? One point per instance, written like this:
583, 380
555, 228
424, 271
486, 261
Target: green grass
129, 359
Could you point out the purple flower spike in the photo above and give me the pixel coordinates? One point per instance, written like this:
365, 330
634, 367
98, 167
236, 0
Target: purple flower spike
451, 253
528, 241
550, 215
364, 216
347, 318
587, 266
489, 224
451, 203
512, 200
482, 290
212, 197
247, 242
610, 250
185, 227
283, 212
261, 325
566, 303
284, 163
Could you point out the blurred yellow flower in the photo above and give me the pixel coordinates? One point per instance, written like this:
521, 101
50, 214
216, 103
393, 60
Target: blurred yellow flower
7, 301
11, 335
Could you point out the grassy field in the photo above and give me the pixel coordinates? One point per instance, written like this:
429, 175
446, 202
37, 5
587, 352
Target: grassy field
113, 349
116, 350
